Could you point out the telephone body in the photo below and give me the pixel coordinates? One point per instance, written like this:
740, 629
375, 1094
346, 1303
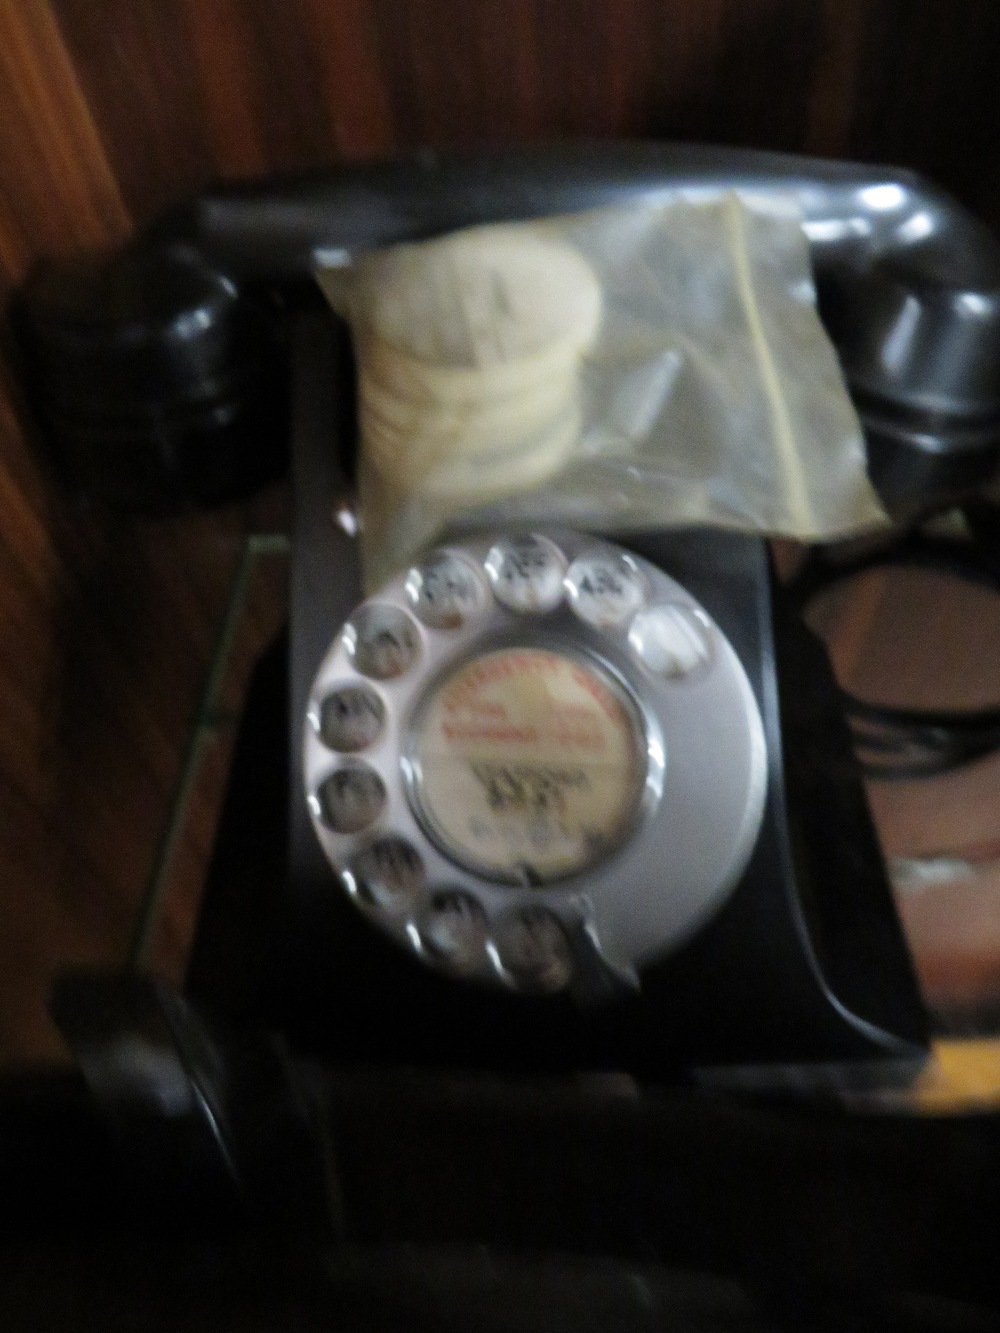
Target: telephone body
522, 945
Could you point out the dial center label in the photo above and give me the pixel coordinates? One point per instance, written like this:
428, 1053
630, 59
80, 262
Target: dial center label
530, 763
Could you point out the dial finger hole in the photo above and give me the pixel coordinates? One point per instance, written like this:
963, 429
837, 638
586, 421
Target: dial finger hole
605, 590
534, 952
382, 641
350, 718
671, 641
527, 573
445, 591
454, 929
351, 798
389, 874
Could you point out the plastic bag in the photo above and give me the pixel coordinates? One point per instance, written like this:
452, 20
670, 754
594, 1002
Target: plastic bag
625, 368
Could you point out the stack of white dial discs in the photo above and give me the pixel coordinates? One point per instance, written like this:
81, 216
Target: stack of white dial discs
469, 362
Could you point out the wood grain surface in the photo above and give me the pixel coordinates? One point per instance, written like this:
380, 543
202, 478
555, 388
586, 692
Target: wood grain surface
111, 109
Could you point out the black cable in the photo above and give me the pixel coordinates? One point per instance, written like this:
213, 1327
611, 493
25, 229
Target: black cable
901, 743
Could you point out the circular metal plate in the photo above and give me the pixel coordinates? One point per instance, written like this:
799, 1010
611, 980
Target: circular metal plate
606, 763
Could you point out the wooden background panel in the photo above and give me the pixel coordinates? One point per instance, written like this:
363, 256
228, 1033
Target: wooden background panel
923, 99
107, 623
182, 91
112, 109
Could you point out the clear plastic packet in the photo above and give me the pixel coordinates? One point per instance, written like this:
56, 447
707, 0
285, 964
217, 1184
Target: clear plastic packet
632, 367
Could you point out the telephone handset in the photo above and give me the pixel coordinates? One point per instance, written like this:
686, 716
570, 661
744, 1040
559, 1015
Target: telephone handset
157, 373
534, 760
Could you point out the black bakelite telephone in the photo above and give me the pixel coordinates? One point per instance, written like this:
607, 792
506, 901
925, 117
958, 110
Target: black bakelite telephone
551, 802
557, 801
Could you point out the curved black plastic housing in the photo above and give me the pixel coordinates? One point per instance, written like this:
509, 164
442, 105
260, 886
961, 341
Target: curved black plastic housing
909, 287
158, 382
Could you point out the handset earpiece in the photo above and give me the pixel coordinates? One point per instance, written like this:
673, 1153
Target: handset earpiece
158, 383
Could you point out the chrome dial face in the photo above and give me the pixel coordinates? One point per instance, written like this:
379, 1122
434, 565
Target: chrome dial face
530, 747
